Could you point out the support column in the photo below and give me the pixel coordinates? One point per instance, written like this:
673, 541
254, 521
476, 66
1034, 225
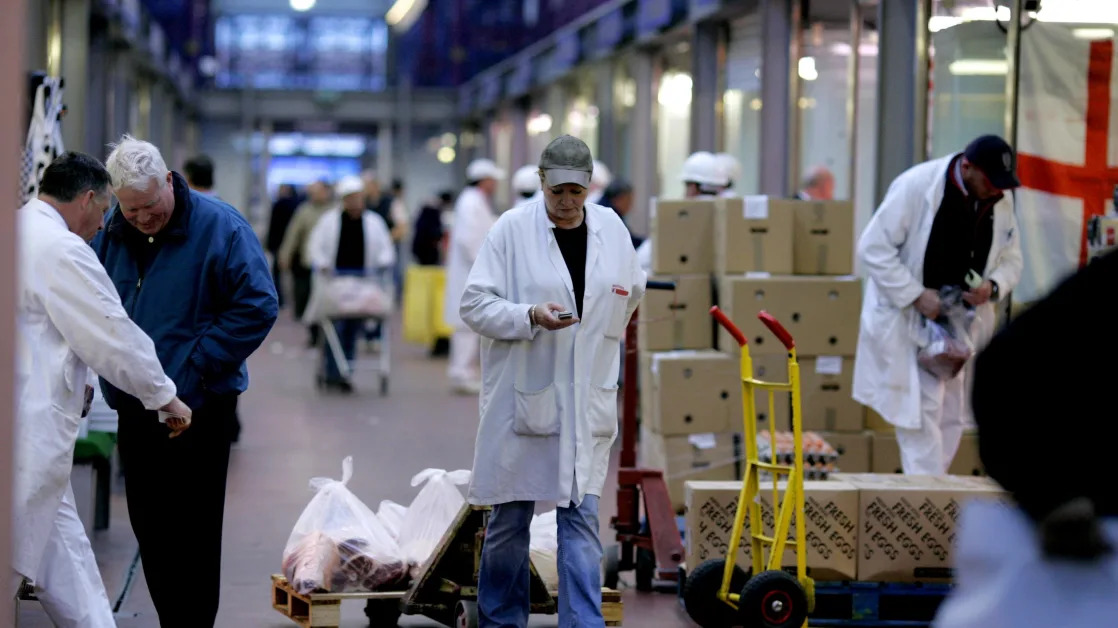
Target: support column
643, 140
607, 128
776, 95
385, 146
75, 71
403, 131
705, 68
97, 113
248, 128
12, 29
518, 118
902, 81
119, 103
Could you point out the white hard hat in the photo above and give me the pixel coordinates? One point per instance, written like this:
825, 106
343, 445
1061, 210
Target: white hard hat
526, 180
703, 168
484, 169
351, 184
730, 165
601, 177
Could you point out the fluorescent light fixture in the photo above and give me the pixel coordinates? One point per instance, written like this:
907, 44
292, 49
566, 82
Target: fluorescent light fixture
404, 13
675, 92
445, 155
302, 5
538, 124
842, 49
978, 67
937, 23
807, 69
1093, 33
1079, 11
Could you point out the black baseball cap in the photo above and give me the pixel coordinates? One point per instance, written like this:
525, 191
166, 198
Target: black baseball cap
994, 157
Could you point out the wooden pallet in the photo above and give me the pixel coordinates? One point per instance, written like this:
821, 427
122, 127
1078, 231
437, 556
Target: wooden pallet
612, 609
317, 610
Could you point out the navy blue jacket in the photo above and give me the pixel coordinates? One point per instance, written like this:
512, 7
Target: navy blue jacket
202, 290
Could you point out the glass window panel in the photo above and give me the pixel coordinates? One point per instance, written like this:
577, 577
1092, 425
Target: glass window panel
741, 101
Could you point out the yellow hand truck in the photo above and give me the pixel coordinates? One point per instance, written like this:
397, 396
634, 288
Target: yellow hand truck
718, 593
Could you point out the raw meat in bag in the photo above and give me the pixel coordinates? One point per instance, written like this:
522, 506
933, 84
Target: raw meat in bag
338, 545
430, 514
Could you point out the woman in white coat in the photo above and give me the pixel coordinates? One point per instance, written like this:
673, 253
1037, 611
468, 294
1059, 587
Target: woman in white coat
931, 414
69, 320
473, 218
347, 240
551, 292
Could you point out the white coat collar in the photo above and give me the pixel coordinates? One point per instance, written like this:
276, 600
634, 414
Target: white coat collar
47, 210
593, 220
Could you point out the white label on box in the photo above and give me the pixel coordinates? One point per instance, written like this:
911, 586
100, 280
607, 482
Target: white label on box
828, 365
703, 441
756, 208
757, 274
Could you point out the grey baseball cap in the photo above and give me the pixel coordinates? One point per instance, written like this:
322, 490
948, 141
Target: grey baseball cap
567, 159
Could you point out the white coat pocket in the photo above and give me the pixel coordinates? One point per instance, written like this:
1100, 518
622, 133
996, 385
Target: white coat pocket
619, 305
537, 413
603, 411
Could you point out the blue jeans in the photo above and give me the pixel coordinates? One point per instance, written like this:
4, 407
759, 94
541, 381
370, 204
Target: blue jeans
503, 583
347, 329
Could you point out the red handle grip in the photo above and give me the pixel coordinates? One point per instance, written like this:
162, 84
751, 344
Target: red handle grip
725, 321
777, 329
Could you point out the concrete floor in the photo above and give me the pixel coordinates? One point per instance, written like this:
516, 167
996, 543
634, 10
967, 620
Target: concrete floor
293, 433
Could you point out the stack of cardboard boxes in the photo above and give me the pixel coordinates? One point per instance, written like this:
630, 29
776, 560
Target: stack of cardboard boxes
886, 456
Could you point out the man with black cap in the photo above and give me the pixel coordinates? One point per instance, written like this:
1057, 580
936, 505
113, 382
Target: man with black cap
550, 294
944, 225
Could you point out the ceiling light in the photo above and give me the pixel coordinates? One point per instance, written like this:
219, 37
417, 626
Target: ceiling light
807, 69
445, 155
937, 23
302, 5
404, 13
1092, 33
978, 67
1079, 11
539, 124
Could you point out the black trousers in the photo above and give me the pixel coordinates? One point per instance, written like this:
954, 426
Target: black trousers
277, 278
176, 501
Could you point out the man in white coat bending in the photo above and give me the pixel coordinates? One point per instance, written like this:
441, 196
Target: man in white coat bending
943, 223
69, 316
473, 217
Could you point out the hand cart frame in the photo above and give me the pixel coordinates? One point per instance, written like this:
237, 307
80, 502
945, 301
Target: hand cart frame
382, 363
718, 593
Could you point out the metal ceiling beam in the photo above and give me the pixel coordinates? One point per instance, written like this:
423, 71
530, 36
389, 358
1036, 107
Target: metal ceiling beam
364, 8
427, 106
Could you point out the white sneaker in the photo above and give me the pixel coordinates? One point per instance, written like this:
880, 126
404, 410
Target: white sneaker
466, 388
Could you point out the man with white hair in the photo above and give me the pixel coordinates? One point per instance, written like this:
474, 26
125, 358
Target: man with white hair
193, 275
818, 185
599, 181
473, 217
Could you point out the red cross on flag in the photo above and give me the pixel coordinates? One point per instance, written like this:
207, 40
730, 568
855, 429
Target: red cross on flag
1067, 136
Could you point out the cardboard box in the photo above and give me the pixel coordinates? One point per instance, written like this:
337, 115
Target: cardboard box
855, 453
824, 237
678, 319
907, 523
772, 368
683, 459
682, 237
752, 234
691, 392
886, 454
825, 386
831, 509
876, 422
967, 460
821, 313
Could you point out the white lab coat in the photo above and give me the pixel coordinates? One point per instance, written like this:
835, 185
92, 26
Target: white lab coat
473, 218
892, 247
322, 246
1003, 580
549, 398
69, 316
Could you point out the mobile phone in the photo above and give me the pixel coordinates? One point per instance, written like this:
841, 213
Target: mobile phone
565, 315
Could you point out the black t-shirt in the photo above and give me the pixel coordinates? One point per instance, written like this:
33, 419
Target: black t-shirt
962, 233
572, 243
351, 243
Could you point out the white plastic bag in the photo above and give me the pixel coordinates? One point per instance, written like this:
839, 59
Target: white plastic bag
544, 548
431, 513
338, 544
347, 296
945, 344
392, 516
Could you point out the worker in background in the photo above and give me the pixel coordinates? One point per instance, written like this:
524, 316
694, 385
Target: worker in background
1048, 558
350, 239
283, 210
473, 217
619, 197
526, 184
732, 167
69, 316
703, 178
818, 185
192, 274
551, 292
428, 246
293, 255
599, 181
946, 223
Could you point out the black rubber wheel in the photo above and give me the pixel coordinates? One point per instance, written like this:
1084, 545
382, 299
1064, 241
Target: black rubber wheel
465, 614
645, 569
772, 599
611, 567
700, 594
384, 613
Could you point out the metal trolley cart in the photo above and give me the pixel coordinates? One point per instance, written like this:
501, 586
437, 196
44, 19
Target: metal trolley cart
718, 593
335, 304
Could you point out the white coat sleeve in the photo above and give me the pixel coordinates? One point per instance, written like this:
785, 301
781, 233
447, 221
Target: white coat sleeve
880, 245
639, 283
85, 307
1008, 270
318, 245
485, 307
385, 247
